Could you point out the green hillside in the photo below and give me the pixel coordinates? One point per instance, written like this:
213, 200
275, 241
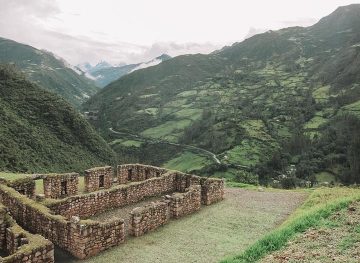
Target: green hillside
250, 103
48, 71
40, 132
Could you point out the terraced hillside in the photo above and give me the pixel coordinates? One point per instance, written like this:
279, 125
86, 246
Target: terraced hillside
48, 71
40, 132
244, 102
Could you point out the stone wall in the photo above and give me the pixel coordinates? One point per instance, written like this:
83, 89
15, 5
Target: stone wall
88, 240
84, 206
2, 227
149, 217
91, 204
81, 238
61, 185
182, 204
212, 191
137, 172
98, 178
20, 245
60, 221
25, 186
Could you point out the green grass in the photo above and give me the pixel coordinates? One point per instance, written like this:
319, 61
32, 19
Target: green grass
165, 129
256, 129
321, 204
12, 176
150, 111
321, 93
187, 161
315, 122
242, 185
249, 152
229, 174
187, 93
325, 177
192, 114
352, 108
348, 242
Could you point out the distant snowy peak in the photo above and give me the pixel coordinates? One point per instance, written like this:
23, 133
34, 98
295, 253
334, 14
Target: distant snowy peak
151, 63
104, 73
88, 68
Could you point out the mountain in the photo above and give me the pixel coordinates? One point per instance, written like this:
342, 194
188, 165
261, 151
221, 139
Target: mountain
103, 73
263, 103
48, 71
40, 132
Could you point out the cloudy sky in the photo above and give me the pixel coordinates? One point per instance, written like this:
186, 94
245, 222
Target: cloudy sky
137, 30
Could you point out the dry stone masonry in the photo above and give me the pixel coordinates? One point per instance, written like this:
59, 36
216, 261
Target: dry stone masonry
20, 246
25, 186
137, 172
149, 217
61, 185
63, 218
182, 204
98, 178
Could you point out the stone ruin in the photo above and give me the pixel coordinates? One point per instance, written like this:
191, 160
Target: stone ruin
19, 245
98, 178
61, 185
63, 217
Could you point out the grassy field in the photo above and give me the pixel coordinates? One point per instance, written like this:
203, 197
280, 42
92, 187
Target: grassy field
187, 161
209, 235
12, 176
323, 177
322, 203
164, 131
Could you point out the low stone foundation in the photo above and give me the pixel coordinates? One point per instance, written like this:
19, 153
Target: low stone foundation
61, 185
182, 204
149, 217
212, 191
82, 239
91, 204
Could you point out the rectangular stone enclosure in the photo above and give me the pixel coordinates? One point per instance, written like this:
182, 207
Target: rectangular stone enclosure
65, 222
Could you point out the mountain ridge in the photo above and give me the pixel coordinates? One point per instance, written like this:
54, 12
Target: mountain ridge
41, 132
49, 71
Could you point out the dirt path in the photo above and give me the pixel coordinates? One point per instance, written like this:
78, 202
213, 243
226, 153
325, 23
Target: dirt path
336, 239
216, 231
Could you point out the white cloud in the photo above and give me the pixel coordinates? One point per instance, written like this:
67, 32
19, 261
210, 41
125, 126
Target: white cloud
139, 30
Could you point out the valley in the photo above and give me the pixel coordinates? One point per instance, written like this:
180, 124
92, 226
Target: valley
247, 153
